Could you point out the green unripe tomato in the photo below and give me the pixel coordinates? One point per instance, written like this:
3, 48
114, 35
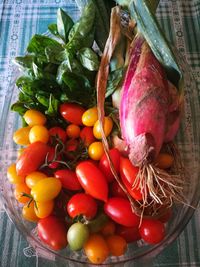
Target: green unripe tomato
77, 235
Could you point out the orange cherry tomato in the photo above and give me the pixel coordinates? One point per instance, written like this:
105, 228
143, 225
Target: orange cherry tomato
34, 117
20, 189
21, 136
90, 116
109, 228
73, 131
43, 209
39, 133
96, 249
107, 126
28, 212
116, 244
96, 150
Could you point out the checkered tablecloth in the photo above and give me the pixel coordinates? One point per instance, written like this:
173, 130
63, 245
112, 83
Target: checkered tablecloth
19, 20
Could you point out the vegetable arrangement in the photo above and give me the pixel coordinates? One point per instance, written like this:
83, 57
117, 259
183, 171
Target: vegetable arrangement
98, 168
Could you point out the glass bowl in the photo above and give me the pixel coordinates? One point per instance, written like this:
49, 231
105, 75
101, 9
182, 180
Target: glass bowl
188, 141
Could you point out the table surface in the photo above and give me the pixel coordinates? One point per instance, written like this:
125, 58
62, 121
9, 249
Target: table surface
19, 20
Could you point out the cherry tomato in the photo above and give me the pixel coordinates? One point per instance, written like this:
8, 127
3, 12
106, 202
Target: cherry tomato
31, 159
53, 232
72, 113
28, 212
116, 190
109, 228
92, 180
119, 210
12, 175
164, 161
96, 150
21, 136
116, 244
53, 164
57, 132
128, 174
96, 249
20, 189
108, 125
34, 117
73, 131
77, 235
44, 209
46, 189
105, 166
130, 234
87, 136
82, 204
71, 145
68, 179
152, 231
90, 116
33, 178
39, 133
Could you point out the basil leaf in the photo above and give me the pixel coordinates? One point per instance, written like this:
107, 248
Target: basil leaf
53, 29
38, 44
64, 24
53, 54
150, 29
114, 80
53, 106
24, 62
19, 107
88, 59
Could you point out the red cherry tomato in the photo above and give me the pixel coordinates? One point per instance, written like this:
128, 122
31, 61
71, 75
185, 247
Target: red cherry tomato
128, 174
92, 180
152, 231
57, 132
72, 112
32, 158
87, 136
105, 166
68, 179
51, 155
53, 232
82, 203
130, 234
119, 210
116, 190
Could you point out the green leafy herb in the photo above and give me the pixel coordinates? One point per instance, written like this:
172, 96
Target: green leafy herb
53, 29
88, 59
64, 24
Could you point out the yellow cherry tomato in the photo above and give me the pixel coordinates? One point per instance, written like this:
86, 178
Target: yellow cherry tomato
164, 161
28, 212
73, 131
95, 150
46, 189
117, 245
43, 209
21, 136
108, 125
96, 249
33, 178
90, 116
34, 117
12, 175
19, 192
39, 133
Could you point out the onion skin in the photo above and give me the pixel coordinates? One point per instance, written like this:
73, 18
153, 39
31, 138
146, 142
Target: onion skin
144, 106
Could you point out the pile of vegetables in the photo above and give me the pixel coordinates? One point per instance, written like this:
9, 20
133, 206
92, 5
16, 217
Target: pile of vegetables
101, 104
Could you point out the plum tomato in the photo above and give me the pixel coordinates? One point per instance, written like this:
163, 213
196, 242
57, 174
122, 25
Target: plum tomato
128, 174
119, 210
116, 244
87, 136
96, 150
116, 190
28, 212
82, 204
90, 116
44, 209
12, 175
46, 189
72, 112
92, 180
33, 178
34, 117
96, 249
105, 166
32, 158
38, 133
53, 232
21, 136
57, 132
77, 235
130, 234
108, 125
152, 231
73, 131
68, 179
